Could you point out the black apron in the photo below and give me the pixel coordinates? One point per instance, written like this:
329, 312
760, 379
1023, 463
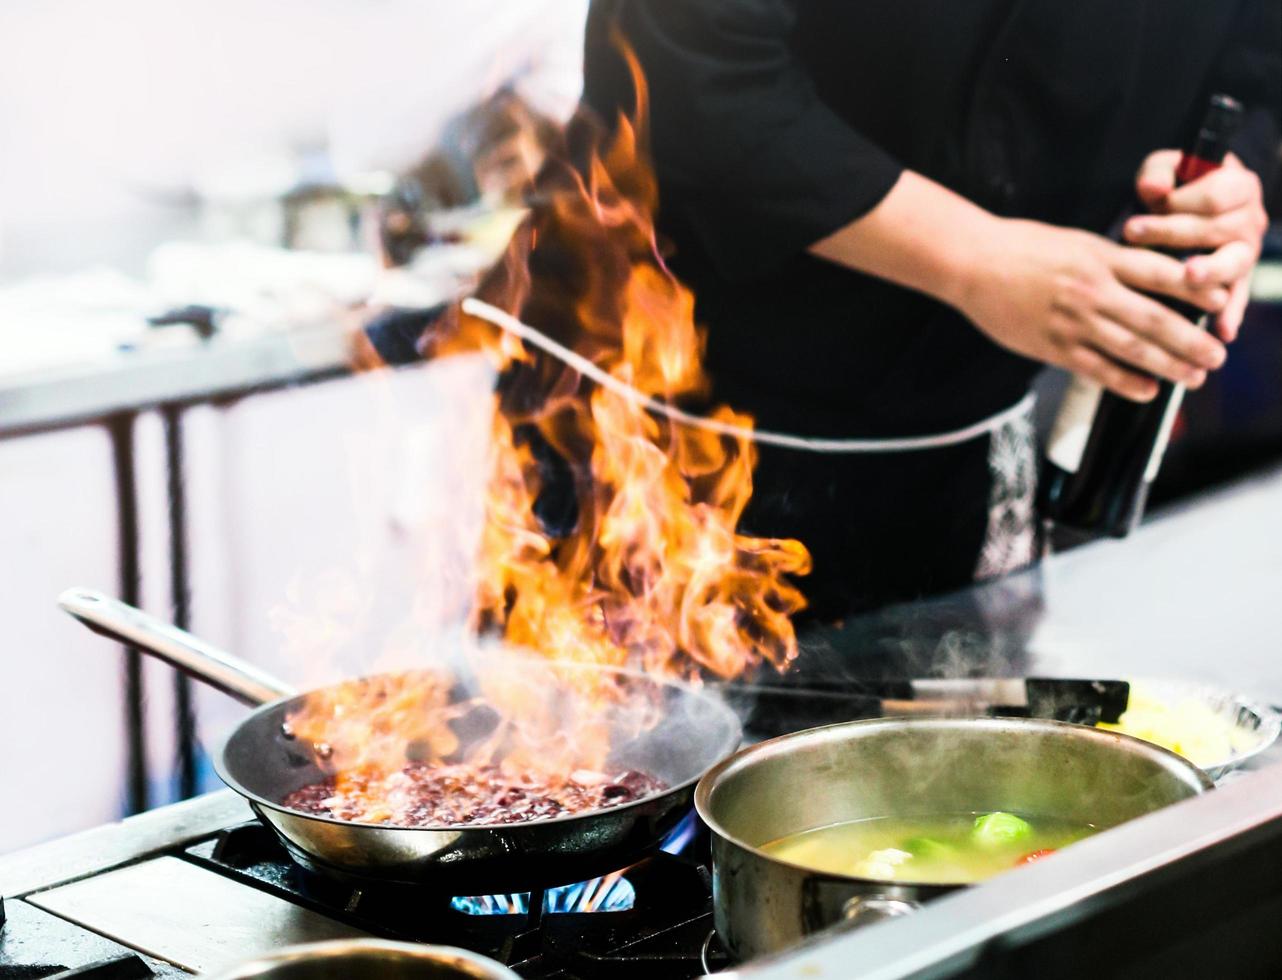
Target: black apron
901, 520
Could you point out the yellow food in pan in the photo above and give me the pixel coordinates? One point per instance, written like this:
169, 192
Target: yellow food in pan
1184, 725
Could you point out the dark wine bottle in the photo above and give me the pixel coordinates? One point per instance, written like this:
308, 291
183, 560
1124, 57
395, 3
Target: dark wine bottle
1104, 450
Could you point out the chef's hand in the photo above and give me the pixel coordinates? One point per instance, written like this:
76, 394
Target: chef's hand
1075, 299
1058, 295
1221, 213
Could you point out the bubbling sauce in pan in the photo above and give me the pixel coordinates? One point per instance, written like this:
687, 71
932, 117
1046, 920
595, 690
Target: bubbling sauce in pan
437, 795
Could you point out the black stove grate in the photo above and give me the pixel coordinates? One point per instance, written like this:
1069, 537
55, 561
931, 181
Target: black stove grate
665, 933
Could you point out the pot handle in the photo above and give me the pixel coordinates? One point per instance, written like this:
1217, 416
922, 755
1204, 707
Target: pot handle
864, 910
828, 907
178, 648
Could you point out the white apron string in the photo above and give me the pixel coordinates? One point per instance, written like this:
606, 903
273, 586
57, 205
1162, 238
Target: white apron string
506, 322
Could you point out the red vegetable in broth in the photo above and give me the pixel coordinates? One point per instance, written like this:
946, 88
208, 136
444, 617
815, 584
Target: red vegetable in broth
1033, 856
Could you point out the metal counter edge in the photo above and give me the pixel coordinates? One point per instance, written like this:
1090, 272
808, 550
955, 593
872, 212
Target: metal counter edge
93, 851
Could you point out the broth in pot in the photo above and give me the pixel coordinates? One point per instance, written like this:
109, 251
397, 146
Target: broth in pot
954, 849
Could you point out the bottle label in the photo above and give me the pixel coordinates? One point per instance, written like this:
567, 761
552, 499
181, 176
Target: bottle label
1164, 434
1072, 426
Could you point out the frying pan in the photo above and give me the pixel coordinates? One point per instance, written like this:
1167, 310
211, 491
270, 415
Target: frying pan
263, 765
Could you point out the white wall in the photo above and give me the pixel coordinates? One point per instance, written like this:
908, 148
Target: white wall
328, 527
61, 734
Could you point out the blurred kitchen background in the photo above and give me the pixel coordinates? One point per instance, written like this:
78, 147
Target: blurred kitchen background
201, 206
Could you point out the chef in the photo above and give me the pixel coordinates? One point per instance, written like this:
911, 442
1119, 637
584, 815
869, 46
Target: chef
893, 214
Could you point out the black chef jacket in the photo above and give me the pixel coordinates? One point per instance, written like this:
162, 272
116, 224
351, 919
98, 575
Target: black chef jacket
776, 122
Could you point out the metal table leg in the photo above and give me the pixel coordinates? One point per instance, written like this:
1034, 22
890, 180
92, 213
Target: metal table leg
180, 588
121, 430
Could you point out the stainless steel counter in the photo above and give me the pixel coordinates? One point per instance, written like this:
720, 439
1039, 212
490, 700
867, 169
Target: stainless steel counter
93, 851
1193, 593
1196, 592
137, 380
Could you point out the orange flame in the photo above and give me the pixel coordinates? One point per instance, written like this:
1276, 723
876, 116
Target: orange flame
651, 570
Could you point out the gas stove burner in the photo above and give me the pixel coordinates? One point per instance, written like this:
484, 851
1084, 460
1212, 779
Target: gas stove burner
613, 893
683, 834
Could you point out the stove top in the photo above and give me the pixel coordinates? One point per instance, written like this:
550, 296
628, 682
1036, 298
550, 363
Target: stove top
143, 919
651, 920
35, 944
198, 886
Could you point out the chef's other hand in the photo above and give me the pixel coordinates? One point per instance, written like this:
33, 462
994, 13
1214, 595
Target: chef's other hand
1221, 212
1075, 299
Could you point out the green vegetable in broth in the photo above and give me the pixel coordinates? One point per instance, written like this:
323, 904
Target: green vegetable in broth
994, 830
928, 847
947, 850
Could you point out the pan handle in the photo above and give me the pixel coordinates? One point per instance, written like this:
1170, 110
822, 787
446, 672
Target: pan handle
176, 647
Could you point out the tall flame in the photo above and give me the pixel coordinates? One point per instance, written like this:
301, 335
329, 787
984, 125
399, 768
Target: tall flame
652, 571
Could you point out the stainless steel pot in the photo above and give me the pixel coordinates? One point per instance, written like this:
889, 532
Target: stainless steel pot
369, 959
897, 767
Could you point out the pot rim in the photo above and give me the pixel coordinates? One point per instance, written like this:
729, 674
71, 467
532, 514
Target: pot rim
338, 950
780, 745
